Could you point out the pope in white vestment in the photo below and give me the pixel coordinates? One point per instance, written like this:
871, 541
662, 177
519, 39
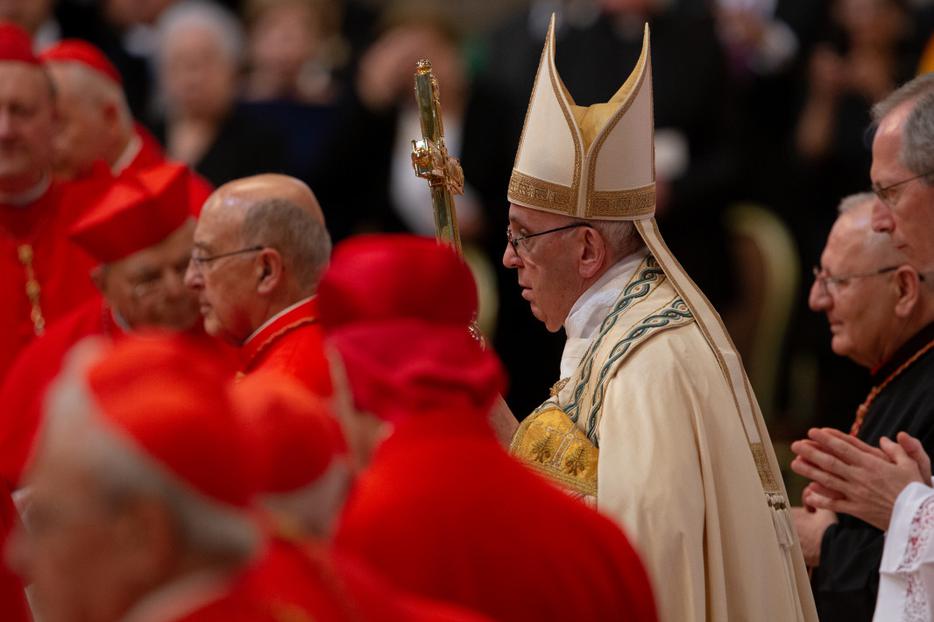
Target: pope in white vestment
653, 418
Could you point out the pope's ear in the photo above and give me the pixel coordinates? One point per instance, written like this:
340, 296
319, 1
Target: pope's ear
593, 252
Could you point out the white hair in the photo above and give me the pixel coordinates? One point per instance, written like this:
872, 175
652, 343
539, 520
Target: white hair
98, 89
851, 202
207, 15
122, 471
620, 236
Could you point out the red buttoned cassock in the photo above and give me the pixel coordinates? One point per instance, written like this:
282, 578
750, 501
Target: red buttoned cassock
43, 275
443, 510
290, 344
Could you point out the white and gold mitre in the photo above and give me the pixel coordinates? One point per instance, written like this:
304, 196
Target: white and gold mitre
595, 162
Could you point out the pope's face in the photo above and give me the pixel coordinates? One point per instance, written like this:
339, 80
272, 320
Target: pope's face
908, 211
546, 265
225, 285
27, 125
148, 287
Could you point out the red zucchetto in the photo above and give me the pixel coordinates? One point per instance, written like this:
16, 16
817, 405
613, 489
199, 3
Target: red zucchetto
16, 45
78, 51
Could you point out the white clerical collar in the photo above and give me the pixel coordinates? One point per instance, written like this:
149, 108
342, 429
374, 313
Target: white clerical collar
28, 197
132, 149
179, 598
592, 306
276, 317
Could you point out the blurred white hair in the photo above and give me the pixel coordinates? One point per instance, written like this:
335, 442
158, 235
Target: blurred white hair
206, 15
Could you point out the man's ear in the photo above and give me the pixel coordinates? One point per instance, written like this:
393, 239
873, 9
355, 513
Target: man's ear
593, 252
269, 270
99, 278
908, 288
110, 113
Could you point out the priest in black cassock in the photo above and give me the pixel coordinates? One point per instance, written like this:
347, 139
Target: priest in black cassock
881, 314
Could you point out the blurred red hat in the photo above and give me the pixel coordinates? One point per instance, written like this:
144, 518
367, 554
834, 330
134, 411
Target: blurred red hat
378, 277
170, 398
136, 212
398, 368
78, 51
16, 44
291, 434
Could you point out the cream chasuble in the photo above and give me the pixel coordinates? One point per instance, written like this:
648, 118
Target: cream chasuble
674, 467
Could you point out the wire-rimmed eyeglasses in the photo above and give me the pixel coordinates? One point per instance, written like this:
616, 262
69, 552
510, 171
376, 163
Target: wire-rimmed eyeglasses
514, 241
886, 194
828, 282
199, 262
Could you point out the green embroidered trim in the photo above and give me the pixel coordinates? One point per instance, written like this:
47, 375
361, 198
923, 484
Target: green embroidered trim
676, 313
638, 288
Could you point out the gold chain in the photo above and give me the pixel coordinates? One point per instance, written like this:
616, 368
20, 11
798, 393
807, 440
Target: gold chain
876, 390
32, 289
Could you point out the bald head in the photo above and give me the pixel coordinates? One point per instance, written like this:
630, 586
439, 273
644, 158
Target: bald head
241, 194
250, 190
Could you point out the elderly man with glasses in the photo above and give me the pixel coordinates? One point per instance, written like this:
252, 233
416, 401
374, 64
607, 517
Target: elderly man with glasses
653, 417
881, 315
260, 248
903, 169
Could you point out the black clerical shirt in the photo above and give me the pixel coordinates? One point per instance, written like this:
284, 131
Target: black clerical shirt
847, 580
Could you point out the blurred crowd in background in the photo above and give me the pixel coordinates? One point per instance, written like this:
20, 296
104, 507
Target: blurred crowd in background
761, 112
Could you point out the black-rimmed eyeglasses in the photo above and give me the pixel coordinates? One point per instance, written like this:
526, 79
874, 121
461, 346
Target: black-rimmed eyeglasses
514, 241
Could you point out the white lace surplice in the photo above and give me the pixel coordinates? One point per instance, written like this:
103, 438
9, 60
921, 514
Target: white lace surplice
906, 576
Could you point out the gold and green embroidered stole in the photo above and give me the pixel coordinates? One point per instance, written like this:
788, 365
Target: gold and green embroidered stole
561, 438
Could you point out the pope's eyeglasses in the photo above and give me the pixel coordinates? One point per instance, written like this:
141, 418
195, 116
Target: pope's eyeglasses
514, 241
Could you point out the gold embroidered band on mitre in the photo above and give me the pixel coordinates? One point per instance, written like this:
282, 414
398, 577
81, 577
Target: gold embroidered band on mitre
560, 199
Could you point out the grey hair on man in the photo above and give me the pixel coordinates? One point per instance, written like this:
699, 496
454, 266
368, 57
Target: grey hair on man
917, 151
302, 240
620, 236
